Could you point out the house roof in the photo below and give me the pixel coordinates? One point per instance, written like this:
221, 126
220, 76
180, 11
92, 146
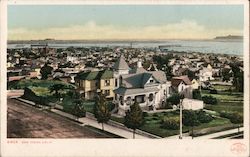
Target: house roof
95, 75
138, 80
177, 80
121, 64
138, 70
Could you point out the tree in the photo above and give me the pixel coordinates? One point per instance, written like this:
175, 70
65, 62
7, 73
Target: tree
45, 71
197, 94
78, 109
56, 88
190, 119
101, 110
226, 75
174, 99
134, 117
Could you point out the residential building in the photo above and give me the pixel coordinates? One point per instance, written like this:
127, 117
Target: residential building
195, 84
182, 85
148, 88
92, 82
206, 74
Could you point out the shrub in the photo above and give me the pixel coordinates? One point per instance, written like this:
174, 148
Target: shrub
197, 94
172, 123
209, 100
174, 99
30, 95
213, 91
190, 118
234, 117
155, 118
145, 114
155, 115
203, 117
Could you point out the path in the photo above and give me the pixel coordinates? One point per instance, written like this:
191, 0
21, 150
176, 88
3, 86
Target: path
107, 127
210, 136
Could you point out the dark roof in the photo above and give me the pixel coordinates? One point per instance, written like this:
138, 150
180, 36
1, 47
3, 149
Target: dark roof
177, 80
136, 80
95, 75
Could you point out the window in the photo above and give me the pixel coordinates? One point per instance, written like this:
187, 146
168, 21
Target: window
121, 100
116, 82
151, 97
107, 92
107, 83
151, 81
140, 98
164, 92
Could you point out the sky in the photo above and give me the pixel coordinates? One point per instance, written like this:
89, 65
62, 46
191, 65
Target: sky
110, 22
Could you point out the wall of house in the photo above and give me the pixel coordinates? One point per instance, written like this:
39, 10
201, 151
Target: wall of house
195, 85
192, 104
111, 86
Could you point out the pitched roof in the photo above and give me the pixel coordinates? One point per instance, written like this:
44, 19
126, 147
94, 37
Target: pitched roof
95, 75
159, 76
121, 64
139, 80
138, 70
177, 80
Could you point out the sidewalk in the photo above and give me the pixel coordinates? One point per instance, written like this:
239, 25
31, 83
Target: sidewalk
107, 127
210, 136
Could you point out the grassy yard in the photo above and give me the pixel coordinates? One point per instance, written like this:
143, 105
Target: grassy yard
153, 124
35, 83
222, 87
227, 101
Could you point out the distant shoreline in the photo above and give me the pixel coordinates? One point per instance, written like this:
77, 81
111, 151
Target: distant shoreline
52, 41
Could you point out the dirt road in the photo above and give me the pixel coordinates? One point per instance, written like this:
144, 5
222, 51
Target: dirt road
29, 122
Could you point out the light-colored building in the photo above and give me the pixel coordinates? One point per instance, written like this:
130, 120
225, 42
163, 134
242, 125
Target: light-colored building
120, 68
148, 88
90, 83
182, 85
206, 74
192, 104
195, 84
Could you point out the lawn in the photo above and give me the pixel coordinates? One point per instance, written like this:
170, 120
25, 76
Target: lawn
153, 124
227, 101
229, 107
222, 87
35, 83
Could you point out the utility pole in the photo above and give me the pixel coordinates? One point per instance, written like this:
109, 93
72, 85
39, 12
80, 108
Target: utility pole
180, 137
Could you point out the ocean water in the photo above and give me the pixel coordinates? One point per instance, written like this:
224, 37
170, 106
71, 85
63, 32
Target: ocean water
203, 46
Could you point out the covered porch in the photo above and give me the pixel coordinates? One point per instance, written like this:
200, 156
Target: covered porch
146, 99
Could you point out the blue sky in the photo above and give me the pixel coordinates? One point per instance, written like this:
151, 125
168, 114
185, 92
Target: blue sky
124, 18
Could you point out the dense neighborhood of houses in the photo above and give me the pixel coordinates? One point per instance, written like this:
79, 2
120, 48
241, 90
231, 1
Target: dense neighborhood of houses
124, 74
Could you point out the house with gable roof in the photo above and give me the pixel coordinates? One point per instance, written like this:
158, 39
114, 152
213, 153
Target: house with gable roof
148, 88
91, 82
182, 85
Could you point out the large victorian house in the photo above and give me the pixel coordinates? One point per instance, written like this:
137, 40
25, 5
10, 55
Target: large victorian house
148, 88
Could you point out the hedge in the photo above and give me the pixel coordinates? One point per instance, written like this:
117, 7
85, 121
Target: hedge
209, 100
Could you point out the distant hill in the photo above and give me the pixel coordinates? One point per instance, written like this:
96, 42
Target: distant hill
229, 37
